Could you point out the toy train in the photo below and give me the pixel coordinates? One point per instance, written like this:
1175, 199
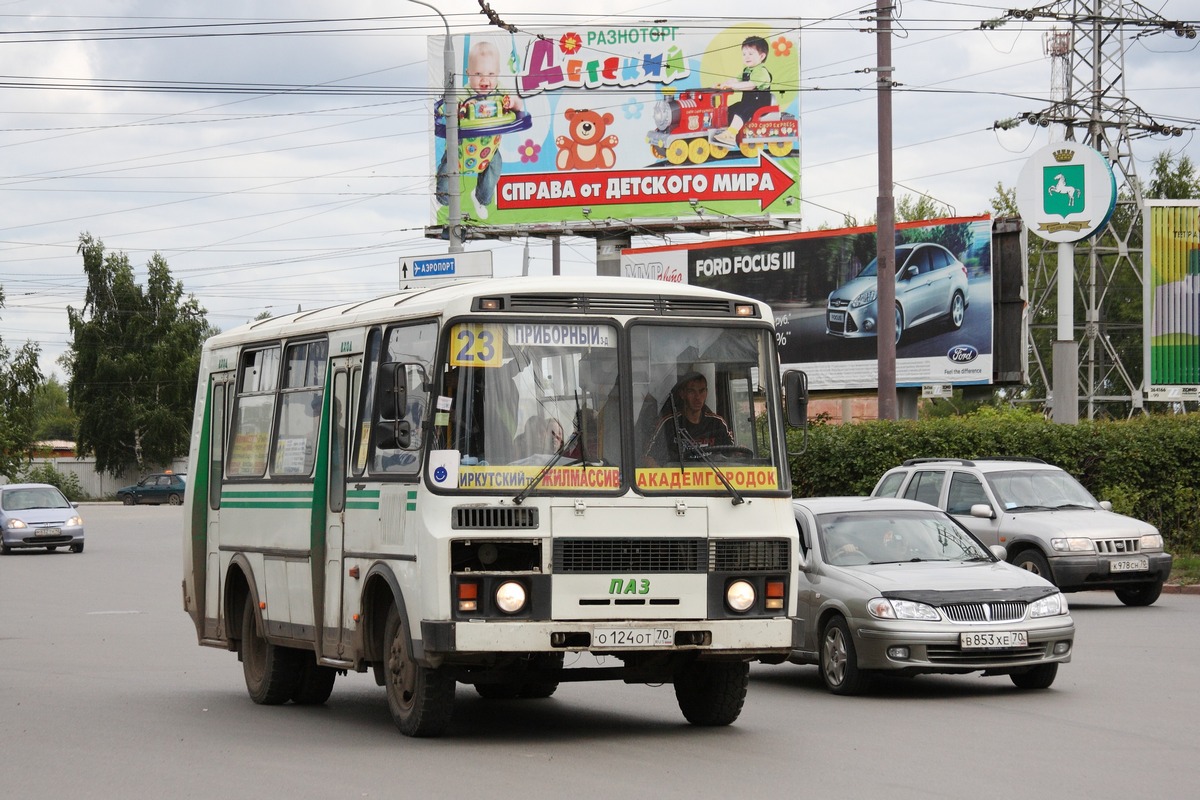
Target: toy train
685, 124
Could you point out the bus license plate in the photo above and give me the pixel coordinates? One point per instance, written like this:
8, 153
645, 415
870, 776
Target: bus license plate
47, 532
994, 640
1140, 564
633, 637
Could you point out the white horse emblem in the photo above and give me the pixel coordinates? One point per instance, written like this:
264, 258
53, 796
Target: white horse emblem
1061, 187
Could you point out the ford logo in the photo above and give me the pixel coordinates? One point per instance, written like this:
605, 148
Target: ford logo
962, 354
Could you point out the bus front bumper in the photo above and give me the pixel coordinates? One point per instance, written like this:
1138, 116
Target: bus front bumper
743, 637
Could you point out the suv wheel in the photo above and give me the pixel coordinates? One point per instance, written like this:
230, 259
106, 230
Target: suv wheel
1142, 594
1033, 561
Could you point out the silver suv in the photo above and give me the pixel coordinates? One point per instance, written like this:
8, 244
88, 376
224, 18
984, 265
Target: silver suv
1044, 518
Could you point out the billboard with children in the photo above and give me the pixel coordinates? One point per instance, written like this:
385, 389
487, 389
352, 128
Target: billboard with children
821, 286
650, 122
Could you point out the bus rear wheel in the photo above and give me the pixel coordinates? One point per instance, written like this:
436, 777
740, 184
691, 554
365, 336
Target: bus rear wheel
272, 672
711, 693
420, 699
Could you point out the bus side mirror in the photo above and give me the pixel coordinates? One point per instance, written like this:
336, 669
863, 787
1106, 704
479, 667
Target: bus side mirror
391, 397
795, 395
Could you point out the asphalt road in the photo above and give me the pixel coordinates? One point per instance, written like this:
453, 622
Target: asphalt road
105, 694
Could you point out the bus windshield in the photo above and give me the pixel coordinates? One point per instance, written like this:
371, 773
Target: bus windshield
560, 406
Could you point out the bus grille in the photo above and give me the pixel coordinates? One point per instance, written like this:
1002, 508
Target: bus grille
1007, 611
582, 556
493, 518
748, 555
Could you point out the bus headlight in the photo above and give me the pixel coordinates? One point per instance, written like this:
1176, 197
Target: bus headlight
739, 596
511, 597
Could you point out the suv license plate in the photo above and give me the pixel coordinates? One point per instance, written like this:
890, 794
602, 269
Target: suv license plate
47, 532
633, 637
1140, 564
994, 640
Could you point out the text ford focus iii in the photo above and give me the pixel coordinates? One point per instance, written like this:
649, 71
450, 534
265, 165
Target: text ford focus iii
900, 587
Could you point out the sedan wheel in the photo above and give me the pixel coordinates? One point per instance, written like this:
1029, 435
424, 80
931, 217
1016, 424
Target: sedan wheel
839, 661
958, 310
127, 499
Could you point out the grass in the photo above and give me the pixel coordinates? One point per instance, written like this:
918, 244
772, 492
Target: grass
1185, 569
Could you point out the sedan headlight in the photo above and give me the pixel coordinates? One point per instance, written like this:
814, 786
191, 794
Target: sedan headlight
1052, 606
865, 297
883, 608
1074, 544
1152, 541
16, 524
75, 520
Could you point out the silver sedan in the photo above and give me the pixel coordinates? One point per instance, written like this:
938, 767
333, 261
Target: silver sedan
898, 586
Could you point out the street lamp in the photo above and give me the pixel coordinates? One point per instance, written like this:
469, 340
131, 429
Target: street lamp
450, 113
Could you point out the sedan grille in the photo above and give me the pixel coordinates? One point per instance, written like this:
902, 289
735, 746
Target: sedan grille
1006, 611
953, 654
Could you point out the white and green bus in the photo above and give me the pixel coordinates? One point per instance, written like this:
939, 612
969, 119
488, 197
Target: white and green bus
454, 485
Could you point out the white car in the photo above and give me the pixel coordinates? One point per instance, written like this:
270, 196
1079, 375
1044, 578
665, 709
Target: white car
1047, 522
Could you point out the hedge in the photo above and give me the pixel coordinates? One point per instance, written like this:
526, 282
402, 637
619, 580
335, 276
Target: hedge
1148, 466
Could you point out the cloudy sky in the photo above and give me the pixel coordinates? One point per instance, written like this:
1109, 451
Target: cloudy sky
276, 154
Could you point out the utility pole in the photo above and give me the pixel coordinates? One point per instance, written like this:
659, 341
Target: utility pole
885, 214
1107, 267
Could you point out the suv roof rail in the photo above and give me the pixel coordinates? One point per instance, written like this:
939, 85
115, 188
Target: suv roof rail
962, 462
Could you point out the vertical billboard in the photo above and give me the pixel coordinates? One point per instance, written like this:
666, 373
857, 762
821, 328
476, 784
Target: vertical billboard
652, 122
1172, 299
821, 286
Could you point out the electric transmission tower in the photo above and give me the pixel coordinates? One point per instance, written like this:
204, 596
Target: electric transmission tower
1088, 61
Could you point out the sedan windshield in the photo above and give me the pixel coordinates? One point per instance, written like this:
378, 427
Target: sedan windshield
874, 537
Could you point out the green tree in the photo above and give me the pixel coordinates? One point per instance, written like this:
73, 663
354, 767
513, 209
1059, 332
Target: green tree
1004, 203
52, 414
19, 376
1173, 179
133, 361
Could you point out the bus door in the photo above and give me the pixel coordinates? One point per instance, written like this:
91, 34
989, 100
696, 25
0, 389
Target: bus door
207, 552
332, 644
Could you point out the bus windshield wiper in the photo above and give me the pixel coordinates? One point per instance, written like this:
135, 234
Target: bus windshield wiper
575, 438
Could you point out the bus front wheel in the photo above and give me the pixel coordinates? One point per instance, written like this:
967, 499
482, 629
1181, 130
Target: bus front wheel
421, 699
711, 693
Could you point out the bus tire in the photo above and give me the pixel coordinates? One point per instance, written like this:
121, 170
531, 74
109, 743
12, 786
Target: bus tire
316, 682
541, 689
711, 693
272, 672
420, 699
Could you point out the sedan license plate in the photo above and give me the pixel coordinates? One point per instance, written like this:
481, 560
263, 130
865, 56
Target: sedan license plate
837, 316
994, 640
633, 637
1138, 564
47, 532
